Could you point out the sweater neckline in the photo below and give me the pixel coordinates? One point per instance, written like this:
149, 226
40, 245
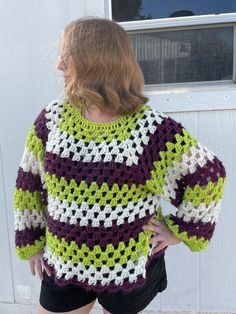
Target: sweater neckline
86, 123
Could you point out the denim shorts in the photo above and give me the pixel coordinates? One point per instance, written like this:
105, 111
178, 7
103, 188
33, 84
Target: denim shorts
64, 299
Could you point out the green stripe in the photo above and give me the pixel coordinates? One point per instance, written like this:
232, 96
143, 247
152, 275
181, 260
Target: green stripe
174, 152
83, 254
71, 124
35, 144
207, 194
28, 200
195, 244
93, 194
25, 252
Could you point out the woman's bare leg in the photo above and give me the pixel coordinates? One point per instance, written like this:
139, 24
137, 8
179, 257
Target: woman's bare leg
82, 310
106, 312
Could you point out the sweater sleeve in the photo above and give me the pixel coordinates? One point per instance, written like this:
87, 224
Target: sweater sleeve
190, 177
30, 201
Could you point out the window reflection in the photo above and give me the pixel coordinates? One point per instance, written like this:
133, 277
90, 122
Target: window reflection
185, 55
132, 10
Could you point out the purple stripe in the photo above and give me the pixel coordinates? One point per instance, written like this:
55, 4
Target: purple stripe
211, 171
179, 193
45, 196
28, 181
99, 172
28, 236
165, 132
112, 287
41, 127
198, 229
101, 235
114, 172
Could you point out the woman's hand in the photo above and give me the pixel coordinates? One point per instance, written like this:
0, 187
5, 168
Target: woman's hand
37, 265
164, 235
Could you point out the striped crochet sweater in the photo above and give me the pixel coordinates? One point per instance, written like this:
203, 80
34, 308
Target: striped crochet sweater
85, 189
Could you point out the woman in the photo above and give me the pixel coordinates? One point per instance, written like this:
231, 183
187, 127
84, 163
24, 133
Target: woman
94, 168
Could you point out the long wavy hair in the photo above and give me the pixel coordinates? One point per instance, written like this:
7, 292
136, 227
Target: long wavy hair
105, 69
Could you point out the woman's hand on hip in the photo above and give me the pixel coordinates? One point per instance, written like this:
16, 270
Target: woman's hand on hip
164, 235
37, 265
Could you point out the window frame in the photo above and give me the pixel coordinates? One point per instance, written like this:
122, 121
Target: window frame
189, 96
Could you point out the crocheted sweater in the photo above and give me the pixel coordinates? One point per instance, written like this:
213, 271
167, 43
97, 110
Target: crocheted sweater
85, 189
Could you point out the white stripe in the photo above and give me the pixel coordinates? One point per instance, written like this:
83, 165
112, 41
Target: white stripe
54, 109
204, 213
30, 163
58, 140
67, 269
28, 219
69, 213
199, 157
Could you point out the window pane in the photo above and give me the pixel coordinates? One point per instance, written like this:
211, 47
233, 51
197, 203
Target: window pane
132, 10
185, 55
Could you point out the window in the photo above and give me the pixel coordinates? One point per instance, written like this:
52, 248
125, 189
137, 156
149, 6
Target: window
176, 53
185, 48
133, 10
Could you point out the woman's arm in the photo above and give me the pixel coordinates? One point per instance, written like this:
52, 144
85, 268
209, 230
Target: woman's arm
30, 201
191, 178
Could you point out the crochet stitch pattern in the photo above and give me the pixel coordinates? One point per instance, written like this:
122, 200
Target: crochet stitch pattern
84, 190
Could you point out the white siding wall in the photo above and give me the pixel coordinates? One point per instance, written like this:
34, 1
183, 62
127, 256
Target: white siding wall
29, 33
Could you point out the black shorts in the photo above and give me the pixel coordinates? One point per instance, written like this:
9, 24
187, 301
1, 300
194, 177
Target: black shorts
64, 299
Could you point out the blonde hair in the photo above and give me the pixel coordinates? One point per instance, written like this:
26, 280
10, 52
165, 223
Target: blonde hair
105, 70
